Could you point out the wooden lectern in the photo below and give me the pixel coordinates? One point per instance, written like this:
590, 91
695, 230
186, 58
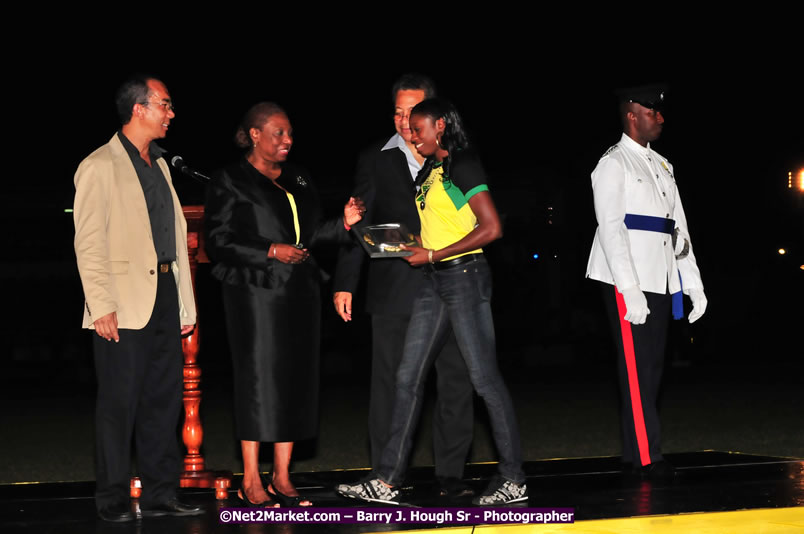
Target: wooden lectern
195, 474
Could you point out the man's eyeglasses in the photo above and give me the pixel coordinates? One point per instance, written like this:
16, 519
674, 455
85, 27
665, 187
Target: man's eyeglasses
167, 106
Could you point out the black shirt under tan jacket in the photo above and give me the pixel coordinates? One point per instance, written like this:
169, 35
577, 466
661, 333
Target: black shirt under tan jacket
157, 198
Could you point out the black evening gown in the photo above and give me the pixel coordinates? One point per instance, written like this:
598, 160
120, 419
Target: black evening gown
272, 309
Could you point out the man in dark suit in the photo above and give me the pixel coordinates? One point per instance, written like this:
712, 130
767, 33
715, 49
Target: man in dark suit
131, 249
385, 181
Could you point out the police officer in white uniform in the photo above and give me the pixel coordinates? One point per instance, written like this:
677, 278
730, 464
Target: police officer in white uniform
642, 253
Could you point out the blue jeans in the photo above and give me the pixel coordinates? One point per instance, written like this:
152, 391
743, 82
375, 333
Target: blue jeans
459, 296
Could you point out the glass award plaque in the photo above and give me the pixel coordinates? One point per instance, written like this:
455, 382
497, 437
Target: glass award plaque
384, 240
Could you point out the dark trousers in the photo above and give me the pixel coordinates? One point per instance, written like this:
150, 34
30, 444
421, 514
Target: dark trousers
453, 417
139, 392
640, 362
458, 297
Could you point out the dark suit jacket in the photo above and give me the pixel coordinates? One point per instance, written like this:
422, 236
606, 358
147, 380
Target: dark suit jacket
245, 213
384, 183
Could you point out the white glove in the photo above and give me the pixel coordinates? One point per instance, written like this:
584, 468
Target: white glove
636, 305
698, 304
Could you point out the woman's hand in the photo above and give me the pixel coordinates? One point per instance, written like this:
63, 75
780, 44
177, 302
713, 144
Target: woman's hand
353, 211
487, 230
287, 253
421, 256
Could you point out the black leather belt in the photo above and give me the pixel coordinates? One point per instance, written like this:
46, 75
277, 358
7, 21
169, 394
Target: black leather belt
460, 260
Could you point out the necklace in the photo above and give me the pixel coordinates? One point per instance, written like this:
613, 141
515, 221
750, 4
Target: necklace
437, 170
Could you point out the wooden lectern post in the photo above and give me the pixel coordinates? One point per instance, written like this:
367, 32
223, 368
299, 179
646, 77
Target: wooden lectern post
195, 474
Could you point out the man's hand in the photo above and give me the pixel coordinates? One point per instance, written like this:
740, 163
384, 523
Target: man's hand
636, 305
353, 211
186, 329
699, 303
106, 327
343, 304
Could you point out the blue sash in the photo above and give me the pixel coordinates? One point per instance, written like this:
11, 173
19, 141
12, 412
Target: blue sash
649, 223
662, 225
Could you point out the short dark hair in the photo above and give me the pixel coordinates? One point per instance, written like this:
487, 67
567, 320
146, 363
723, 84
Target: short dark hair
134, 90
625, 109
413, 81
255, 117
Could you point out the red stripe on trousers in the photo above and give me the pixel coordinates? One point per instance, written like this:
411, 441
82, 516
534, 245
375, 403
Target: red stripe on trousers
633, 381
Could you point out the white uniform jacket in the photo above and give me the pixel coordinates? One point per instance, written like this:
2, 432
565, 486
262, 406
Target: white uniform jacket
632, 179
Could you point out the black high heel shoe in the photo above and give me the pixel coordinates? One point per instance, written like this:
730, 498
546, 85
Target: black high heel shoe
241, 495
286, 500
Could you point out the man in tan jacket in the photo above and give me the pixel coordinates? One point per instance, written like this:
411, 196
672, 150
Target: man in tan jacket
131, 248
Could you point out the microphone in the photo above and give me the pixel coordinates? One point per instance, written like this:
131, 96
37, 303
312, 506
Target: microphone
178, 163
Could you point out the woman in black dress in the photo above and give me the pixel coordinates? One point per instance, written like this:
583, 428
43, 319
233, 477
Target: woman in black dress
261, 214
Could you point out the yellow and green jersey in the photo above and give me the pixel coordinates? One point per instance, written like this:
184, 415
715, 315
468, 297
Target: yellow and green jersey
443, 203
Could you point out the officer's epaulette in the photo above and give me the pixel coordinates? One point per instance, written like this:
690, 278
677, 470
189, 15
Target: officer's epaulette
666, 167
610, 150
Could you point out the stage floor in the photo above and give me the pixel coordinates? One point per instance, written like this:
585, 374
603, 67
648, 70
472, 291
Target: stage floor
708, 481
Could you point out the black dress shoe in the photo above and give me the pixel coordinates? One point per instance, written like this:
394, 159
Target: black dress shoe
630, 474
453, 488
172, 507
660, 471
117, 513
627, 467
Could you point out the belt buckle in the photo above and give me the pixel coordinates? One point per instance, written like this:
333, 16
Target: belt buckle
164, 267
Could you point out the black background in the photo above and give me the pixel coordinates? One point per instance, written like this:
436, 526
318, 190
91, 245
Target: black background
538, 99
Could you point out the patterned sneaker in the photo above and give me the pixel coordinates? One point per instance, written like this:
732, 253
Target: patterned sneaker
372, 491
502, 491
